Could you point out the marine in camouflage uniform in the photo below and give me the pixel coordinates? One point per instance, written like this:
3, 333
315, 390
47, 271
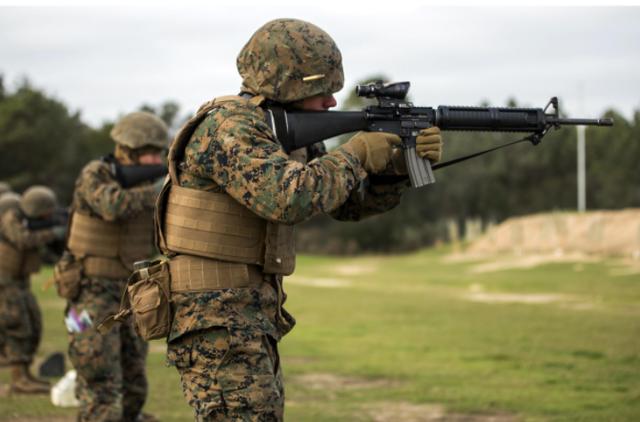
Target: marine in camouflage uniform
231, 181
20, 317
111, 227
8, 199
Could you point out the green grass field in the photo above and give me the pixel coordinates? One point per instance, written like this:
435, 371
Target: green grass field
417, 337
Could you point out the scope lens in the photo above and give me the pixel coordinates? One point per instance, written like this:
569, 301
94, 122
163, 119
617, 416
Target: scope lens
365, 90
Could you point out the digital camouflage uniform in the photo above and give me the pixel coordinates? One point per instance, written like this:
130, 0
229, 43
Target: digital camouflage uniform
20, 317
224, 342
20, 249
8, 199
111, 382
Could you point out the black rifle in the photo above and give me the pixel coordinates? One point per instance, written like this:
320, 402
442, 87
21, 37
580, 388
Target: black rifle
60, 217
130, 176
297, 129
55, 248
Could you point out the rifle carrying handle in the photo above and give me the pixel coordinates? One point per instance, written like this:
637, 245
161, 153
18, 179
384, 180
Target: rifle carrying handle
420, 172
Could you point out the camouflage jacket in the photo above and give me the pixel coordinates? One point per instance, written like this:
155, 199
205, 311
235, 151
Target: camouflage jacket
13, 228
233, 150
14, 231
98, 193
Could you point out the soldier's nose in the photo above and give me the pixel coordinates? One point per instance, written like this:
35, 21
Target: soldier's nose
329, 102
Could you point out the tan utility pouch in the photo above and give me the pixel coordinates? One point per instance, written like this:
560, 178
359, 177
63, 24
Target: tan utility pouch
67, 275
147, 298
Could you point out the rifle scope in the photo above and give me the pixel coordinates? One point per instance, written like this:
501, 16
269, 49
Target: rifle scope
396, 90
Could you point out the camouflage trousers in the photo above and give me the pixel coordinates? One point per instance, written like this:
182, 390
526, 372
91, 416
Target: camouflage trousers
230, 374
111, 383
20, 322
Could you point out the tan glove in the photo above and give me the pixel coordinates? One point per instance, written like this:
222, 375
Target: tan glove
373, 149
428, 145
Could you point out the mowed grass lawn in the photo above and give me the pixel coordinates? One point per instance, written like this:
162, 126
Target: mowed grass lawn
418, 336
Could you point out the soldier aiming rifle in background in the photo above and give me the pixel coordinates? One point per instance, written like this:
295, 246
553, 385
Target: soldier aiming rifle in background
111, 227
20, 317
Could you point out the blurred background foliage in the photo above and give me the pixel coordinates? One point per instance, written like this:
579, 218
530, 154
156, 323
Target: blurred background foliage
43, 142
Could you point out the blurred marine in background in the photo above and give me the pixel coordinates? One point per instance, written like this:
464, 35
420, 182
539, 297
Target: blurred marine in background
8, 200
226, 218
111, 227
20, 317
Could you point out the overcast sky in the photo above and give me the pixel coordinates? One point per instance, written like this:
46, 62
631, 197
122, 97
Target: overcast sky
109, 60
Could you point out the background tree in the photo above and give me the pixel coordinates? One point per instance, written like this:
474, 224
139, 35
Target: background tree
42, 142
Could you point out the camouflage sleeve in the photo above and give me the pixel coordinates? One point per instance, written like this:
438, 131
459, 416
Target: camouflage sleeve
98, 190
16, 232
375, 199
240, 155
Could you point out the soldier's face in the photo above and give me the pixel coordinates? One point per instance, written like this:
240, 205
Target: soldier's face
317, 103
150, 158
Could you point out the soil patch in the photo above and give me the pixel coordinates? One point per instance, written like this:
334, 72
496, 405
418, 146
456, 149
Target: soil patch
158, 347
529, 261
598, 233
318, 282
355, 269
333, 382
532, 299
297, 360
409, 412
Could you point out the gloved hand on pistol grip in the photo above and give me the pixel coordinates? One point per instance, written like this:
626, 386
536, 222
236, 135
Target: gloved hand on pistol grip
429, 144
373, 149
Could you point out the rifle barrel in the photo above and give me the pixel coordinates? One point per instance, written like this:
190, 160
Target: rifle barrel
582, 122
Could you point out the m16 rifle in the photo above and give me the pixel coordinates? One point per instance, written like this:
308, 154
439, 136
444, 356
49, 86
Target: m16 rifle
296, 129
59, 218
129, 176
133, 175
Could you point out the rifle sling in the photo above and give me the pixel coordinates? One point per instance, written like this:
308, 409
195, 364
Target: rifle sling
276, 118
477, 154
390, 179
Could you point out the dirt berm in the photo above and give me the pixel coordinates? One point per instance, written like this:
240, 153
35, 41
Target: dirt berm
601, 233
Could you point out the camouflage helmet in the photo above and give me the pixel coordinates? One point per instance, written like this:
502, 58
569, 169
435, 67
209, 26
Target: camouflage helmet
287, 60
38, 201
9, 201
4, 187
140, 129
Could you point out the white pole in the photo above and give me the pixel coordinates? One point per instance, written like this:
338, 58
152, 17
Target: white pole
582, 179
582, 159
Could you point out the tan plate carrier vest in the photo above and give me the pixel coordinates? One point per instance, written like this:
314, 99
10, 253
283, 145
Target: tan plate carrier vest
213, 241
17, 264
109, 249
